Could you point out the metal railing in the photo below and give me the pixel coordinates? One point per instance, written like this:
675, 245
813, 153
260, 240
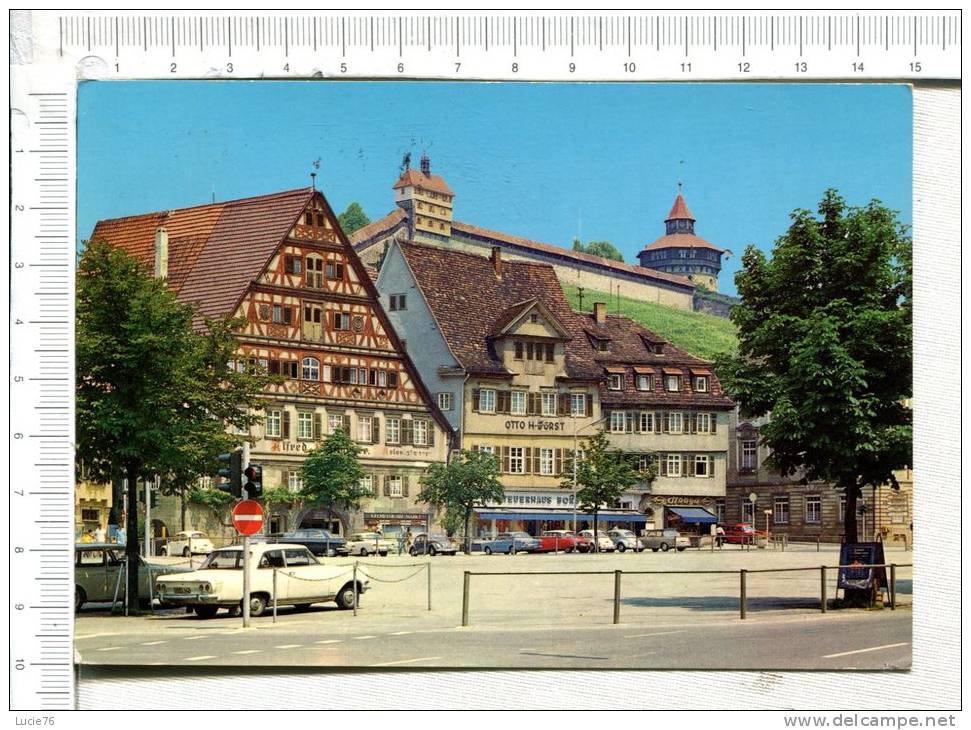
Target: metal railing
743, 575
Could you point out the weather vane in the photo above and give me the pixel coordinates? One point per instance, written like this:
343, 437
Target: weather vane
313, 175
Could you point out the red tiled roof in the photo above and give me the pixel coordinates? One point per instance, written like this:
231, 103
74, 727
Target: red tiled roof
381, 225
682, 240
421, 180
215, 250
679, 210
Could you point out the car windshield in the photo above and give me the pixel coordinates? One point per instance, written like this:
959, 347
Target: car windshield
369, 536
440, 538
224, 560
623, 533
521, 535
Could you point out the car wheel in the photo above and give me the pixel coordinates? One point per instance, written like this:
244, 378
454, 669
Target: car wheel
345, 597
653, 550
621, 547
79, 598
206, 611
364, 552
164, 552
511, 550
413, 553
665, 547
680, 550
488, 550
257, 605
185, 552
432, 551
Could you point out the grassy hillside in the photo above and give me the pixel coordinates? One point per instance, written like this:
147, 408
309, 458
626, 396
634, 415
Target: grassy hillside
703, 335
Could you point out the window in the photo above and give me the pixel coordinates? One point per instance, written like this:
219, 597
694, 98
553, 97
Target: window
282, 315
308, 219
320, 219
603, 345
487, 449
274, 420
675, 422
645, 382
748, 511
546, 462
644, 461
487, 400
578, 404
673, 463
516, 462
396, 302
703, 422
305, 425
89, 514
395, 488
310, 369
420, 433
445, 401
842, 508
364, 429
814, 509
781, 512
335, 270
315, 272
294, 482
672, 383
703, 466
517, 403
701, 384
292, 264
615, 381
750, 455
618, 421
366, 484
335, 421
720, 510
342, 321
392, 430
518, 350
647, 422
548, 404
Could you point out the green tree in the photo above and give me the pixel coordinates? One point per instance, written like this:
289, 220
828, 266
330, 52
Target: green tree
353, 218
603, 249
332, 473
602, 475
825, 347
154, 394
467, 481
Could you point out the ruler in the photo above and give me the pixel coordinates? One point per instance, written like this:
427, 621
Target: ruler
51, 52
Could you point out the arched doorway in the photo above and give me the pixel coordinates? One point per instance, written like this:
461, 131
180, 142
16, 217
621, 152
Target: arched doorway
323, 518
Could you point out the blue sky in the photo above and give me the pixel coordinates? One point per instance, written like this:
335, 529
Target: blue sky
543, 161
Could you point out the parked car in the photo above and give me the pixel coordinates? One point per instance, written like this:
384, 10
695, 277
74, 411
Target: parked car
301, 581
585, 544
741, 533
186, 543
319, 542
554, 540
98, 568
433, 544
625, 540
511, 542
370, 543
665, 540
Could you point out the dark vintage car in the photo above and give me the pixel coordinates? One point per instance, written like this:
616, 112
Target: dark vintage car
319, 542
99, 573
434, 544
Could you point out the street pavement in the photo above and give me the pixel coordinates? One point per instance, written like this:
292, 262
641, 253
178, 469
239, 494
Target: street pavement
668, 621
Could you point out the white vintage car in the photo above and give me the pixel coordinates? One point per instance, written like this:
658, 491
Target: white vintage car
300, 581
369, 543
186, 543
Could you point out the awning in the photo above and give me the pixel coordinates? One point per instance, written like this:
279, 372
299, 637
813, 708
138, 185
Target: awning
700, 371
644, 371
607, 516
672, 371
697, 515
615, 369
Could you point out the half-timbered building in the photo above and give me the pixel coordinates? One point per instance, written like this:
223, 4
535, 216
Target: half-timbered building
313, 317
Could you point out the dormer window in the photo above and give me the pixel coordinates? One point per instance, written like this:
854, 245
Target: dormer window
645, 382
615, 381
701, 384
603, 345
308, 219
672, 383
534, 318
518, 350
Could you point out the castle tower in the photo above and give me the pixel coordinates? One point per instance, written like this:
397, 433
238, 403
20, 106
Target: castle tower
427, 199
680, 251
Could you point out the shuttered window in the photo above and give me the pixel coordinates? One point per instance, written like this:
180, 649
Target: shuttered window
646, 422
578, 404
517, 403
364, 429
420, 432
675, 422
548, 404
393, 431
546, 462
517, 464
274, 426
617, 422
305, 425
487, 400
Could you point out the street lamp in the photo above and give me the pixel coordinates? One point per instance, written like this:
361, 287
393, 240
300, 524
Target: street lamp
575, 432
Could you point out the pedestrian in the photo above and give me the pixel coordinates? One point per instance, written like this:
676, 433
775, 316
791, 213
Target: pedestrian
99, 534
401, 542
88, 536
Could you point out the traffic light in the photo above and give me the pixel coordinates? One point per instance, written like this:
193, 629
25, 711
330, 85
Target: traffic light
233, 472
253, 488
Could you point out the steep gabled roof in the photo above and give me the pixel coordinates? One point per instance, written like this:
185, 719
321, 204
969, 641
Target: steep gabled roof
679, 211
516, 312
382, 225
419, 179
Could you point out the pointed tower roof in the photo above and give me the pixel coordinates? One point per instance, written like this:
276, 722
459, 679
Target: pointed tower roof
679, 211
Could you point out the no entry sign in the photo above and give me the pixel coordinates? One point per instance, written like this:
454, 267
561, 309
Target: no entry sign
248, 517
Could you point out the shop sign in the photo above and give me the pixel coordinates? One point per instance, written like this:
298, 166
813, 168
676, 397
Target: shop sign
535, 499
515, 424
396, 518
292, 447
681, 501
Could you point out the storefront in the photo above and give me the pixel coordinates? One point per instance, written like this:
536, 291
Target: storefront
393, 524
491, 521
691, 515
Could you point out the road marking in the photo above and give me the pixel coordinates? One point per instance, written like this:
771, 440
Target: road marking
400, 633
287, 646
363, 637
863, 651
109, 648
659, 633
247, 651
94, 636
192, 638
199, 658
329, 641
407, 661
152, 643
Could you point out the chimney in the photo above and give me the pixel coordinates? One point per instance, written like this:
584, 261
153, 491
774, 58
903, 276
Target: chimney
600, 312
161, 252
426, 165
496, 259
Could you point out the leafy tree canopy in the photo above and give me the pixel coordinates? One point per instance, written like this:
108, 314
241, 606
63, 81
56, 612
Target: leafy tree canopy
469, 480
825, 346
603, 249
332, 473
353, 218
602, 475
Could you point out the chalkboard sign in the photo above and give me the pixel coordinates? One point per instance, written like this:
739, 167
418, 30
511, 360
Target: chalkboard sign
861, 553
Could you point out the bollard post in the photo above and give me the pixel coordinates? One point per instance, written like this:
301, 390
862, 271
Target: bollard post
465, 598
893, 587
428, 568
151, 588
354, 584
126, 585
817, 543
274, 595
616, 596
822, 588
742, 598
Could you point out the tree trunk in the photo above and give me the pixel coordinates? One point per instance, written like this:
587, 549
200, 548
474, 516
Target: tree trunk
465, 533
596, 544
852, 492
117, 490
182, 510
131, 535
